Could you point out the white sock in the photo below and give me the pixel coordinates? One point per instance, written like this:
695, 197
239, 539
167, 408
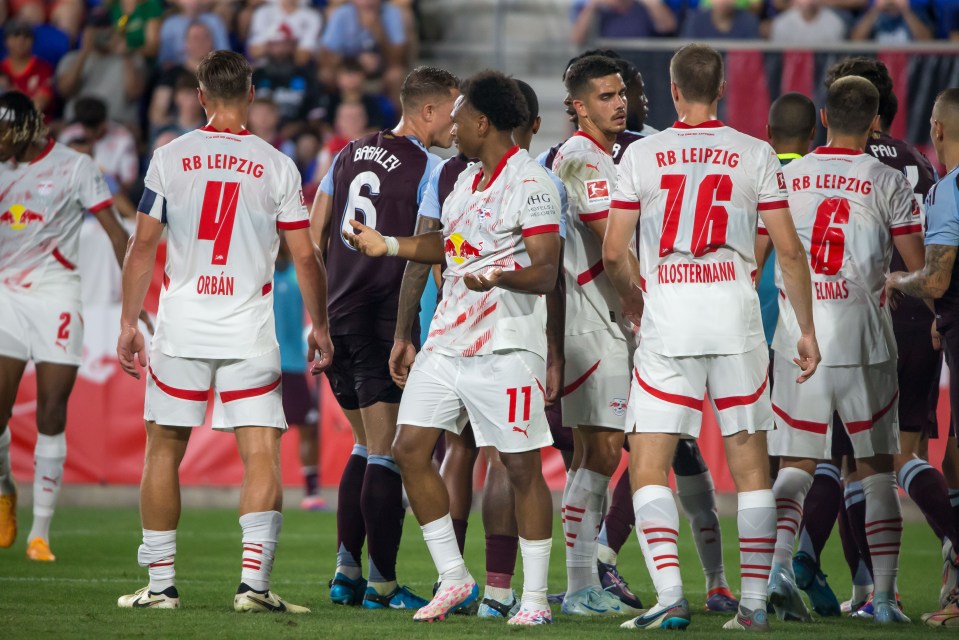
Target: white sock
500, 594
657, 527
756, 519
883, 532
48, 458
791, 486
6, 476
157, 553
570, 476
698, 497
535, 572
584, 503
261, 532
441, 541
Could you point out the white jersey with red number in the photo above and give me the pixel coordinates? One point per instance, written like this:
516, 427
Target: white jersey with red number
846, 206
483, 230
223, 196
41, 212
699, 190
589, 174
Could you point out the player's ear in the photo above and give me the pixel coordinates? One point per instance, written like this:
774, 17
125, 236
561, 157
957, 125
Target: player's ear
875, 126
722, 91
674, 91
823, 118
249, 98
769, 132
536, 124
427, 111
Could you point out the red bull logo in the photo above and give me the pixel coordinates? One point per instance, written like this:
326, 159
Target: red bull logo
18, 217
618, 405
459, 248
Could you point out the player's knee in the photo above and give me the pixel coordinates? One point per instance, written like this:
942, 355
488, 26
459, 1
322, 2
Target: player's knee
51, 417
521, 472
688, 461
408, 453
602, 457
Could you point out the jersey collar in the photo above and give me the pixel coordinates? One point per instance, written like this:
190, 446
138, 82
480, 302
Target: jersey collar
241, 132
499, 169
837, 151
46, 151
583, 134
709, 124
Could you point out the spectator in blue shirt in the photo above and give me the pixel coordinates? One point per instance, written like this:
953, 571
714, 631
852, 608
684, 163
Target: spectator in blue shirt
173, 32
723, 20
621, 19
892, 22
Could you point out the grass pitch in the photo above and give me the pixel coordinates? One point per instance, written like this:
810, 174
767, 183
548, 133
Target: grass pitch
75, 597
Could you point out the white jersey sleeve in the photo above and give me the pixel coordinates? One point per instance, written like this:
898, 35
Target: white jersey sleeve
93, 193
291, 211
153, 200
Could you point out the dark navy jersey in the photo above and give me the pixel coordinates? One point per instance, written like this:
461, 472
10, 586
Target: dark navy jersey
911, 313
450, 171
378, 180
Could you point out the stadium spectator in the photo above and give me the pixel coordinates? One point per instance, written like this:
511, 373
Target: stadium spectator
24, 71
199, 41
174, 34
724, 19
373, 32
306, 156
892, 22
103, 67
621, 19
304, 24
292, 86
808, 22
349, 124
63, 16
351, 87
185, 112
50, 43
264, 121
114, 147
138, 21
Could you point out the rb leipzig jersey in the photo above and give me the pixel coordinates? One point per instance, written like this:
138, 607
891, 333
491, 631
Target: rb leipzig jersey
699, 190
846, 206
483, 230
223, 197
589, 174
41, 212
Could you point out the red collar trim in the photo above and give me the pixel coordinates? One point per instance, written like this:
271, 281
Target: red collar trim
46, 151
8, 66
583, 134
241, 132
837, 151
709, 124
498, 170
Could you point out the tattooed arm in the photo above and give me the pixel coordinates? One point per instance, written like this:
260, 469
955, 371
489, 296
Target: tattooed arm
933, 279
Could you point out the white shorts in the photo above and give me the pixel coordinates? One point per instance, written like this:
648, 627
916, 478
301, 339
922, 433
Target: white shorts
866, 398
597, 381
666, 395
247, 392
42, 327
502, 393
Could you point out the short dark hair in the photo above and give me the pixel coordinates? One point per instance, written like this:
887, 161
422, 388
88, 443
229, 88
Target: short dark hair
876, 72
584, 70
697, 70
224, 75
424, 83
498, 97
90, 111
851, 104
792, 117
21, 113
532, 102
606, 53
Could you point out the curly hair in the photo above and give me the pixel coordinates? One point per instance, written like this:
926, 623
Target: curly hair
498, 97
876, 72
21, 114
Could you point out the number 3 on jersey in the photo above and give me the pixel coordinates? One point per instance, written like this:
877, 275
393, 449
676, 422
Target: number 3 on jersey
217, 216
357, 204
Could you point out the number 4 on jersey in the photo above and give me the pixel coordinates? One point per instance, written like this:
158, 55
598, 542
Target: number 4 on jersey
217, 216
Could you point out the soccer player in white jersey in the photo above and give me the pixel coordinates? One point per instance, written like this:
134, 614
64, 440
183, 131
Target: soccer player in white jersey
598, 339
44, 189
698, 186
222, 195
486, 351
849, 210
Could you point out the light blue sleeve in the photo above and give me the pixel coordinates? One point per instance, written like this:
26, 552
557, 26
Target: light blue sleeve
430, 202
334, 35
541, 158
432, 162
942, 213
326, 184
563, 201
393, 24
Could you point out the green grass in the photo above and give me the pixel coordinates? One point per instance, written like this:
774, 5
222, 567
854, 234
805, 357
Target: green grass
96, 551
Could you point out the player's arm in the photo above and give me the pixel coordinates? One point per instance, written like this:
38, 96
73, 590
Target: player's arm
115, 232
795, 272
620, 262
426, 248
137, 273
311, 277
320, 220
538, 278
763, 249
556, 336
932, 279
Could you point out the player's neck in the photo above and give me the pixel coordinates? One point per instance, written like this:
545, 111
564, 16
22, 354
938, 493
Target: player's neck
602, 138
845, 141
32, 150
696, 114
492, 154
223, 119
950, 157
791, 147
417, 130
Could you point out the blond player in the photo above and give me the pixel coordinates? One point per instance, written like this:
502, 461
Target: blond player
698, 187
222, 195
850, 210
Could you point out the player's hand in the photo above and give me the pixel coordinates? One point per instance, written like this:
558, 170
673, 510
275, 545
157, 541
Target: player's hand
131, 348
893, 294
554, 380
147, 321
366, 240
484, 281
809, 357
633, 305
401, 360
936, 337
320, 352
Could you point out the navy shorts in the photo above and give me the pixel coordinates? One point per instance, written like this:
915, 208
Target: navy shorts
299, 398
360, 373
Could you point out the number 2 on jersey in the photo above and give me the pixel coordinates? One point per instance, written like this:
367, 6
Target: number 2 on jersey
828, 239
357, 204
709, 220
217, 216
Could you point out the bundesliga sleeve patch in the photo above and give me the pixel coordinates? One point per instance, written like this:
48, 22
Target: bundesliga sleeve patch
782, 180
597, 191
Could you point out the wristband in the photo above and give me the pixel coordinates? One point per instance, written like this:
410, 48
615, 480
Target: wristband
392, 245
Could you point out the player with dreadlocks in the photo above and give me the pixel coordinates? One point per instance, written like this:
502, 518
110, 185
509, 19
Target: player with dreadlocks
45, 187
